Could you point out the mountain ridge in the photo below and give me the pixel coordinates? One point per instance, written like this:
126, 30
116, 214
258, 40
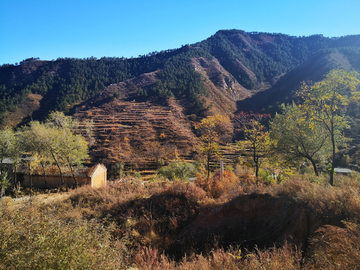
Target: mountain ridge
230, 71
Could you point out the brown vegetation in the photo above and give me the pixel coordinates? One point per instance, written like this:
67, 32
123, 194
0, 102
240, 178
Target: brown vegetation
233, 224
137, 133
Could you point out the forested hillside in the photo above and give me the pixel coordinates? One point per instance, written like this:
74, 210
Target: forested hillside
255, 61
253, 58
65, 82
312, 70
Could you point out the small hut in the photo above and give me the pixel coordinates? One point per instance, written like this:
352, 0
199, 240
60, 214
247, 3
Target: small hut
96, 177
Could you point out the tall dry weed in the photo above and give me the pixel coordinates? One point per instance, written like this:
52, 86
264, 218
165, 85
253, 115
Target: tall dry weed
287, 257
331, 203
216, 187
33, 239
333, 247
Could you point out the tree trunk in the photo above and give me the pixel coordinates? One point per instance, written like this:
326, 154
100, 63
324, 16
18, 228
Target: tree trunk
31, 184
208, 166
73, 174
61, 175
314, 166
332, 160
16, 184
57, 165
43, 167
256, 162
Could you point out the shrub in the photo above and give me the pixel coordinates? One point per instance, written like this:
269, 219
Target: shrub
117, 95
178, 170
189, 190
30, 239
215, 186
118, 169
267, 176
137, 175
78, 232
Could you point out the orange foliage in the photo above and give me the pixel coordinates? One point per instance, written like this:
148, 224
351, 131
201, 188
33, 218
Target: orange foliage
215, 186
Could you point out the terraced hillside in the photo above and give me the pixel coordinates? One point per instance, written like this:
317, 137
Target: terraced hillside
137, 133
142, 132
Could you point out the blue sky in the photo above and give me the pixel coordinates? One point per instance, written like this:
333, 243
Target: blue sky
83, 28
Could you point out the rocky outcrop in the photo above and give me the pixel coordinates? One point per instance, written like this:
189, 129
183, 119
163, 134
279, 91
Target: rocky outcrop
220, 78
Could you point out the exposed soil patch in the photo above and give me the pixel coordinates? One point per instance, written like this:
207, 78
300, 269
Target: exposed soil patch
178, 225
156, 221
249, 220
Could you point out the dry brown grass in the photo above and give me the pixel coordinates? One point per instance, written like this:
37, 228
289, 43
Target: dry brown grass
287, 257
35, 238
103, 200
336, 248
216, 187
328, 202
136, 222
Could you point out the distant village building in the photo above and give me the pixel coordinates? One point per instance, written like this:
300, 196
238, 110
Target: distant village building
96, 177
342, 170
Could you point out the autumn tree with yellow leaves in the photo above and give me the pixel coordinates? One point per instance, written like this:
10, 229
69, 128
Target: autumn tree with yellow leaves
256, 138
212, 128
